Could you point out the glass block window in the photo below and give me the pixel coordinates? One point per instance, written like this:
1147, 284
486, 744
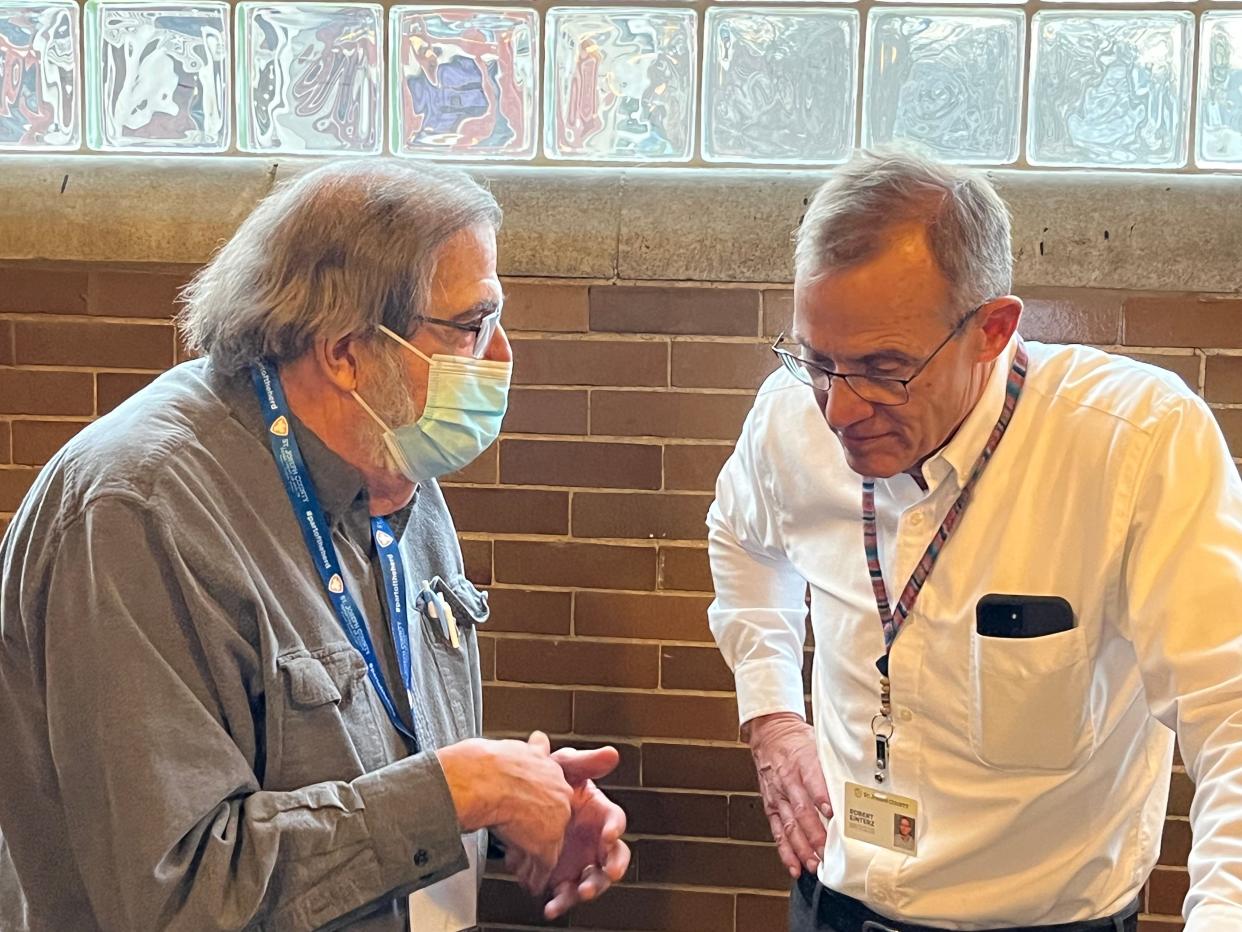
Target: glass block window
1136, 85
1110, 88
779, 85
39, 75
1219, 140
158, 76
984, 2
464, 82
620, 84
309, 77
949, 80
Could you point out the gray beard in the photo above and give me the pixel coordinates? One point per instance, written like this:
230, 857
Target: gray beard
389, 393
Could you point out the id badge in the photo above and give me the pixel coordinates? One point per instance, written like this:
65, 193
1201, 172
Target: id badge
885, 820
452, 904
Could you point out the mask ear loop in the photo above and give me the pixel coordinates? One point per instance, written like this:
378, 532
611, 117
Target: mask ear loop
393, 450
406, 343
368, 409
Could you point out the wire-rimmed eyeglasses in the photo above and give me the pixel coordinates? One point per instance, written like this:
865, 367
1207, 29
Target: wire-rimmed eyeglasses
476, 336
874, 389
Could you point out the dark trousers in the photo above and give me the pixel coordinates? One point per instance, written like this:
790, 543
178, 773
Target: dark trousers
815, 908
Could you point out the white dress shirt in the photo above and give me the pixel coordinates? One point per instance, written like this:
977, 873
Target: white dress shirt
1041, 765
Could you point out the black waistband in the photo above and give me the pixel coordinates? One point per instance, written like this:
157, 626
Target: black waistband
842, 913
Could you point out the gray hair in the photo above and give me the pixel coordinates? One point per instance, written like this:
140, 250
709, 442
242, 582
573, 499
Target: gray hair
341, 249
849, 220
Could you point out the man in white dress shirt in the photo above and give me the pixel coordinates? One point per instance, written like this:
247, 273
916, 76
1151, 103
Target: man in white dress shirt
913, 456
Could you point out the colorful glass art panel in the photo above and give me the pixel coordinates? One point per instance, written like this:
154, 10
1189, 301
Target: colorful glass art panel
158, 76
464, 81
779, 85
309, 77
39, 96
619, 84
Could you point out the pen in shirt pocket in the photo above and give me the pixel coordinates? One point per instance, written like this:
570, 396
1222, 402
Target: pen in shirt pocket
437, 609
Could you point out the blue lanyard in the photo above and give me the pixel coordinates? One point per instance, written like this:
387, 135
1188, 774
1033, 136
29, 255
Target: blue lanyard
318, 536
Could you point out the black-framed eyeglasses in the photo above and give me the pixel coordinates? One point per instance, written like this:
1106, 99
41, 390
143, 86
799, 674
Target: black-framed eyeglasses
477, 336
874, 389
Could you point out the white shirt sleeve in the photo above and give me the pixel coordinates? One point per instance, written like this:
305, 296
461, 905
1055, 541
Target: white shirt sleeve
759, 615
1182, 601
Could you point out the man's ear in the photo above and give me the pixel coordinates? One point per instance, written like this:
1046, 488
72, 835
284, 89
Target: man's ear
998, 322
337, 360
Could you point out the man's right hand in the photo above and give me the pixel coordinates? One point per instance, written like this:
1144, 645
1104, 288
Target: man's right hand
792, 783
516, 788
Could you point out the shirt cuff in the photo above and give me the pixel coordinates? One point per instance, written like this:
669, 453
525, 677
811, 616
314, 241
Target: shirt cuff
412, 822
768, 686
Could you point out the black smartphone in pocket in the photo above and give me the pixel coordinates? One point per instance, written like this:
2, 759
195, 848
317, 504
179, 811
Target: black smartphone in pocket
1022, 616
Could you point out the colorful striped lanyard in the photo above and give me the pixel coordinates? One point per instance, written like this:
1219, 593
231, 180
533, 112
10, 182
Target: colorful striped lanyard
892, 622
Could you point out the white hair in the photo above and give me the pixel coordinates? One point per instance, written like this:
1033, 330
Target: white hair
851, 216
338, 250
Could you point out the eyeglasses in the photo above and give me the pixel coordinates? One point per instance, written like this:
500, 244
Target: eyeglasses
475, 337
873, 389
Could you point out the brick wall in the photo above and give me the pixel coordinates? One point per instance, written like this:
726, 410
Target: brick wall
586, 521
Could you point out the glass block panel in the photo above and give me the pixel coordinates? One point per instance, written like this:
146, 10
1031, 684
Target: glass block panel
1110, 89
309, 77
1219, 136
39, 75
619, 84
990, 3
157, 76
464, 82
948, 80
779, 85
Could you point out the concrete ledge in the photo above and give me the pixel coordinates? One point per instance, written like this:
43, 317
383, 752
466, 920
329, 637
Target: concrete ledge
1071, 229
120, 209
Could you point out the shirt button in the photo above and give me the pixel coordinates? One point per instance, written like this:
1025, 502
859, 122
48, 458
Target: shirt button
916, 519
905, 715
421, 857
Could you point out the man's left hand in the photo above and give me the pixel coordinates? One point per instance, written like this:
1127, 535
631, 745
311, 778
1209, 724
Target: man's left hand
593, 857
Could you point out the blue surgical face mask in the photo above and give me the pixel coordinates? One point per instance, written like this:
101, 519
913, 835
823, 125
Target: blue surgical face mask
466, 402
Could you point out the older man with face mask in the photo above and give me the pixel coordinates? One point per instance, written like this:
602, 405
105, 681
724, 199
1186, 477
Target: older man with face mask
239, 677
1022, 562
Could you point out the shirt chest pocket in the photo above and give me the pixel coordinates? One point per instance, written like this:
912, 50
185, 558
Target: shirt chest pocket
457, 702
1031, 702
326, 718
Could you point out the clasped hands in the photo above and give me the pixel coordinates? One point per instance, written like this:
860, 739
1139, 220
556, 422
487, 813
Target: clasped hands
562, 835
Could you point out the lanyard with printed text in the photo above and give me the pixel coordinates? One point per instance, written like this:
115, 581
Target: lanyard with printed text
892, 621
318, 536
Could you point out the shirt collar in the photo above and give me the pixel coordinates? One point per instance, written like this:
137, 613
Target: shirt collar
338, 484
957, 458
